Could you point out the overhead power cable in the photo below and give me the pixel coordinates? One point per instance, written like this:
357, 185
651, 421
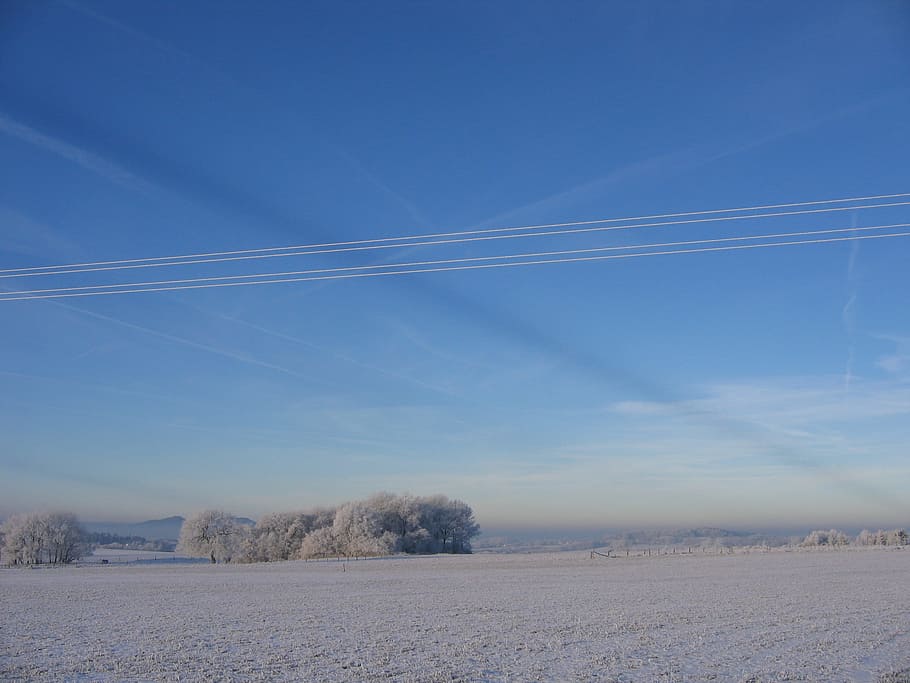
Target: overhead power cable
473, 259
474, 232
476, 266
317, 249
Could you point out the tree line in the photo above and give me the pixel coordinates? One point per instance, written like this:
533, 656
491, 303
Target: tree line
105, 539
382, 524
833, 537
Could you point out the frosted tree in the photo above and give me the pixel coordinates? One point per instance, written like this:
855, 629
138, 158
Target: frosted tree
882, 537
24, 539
382, 524
55, 538
320, 543
450, 524
465, 527
280, 536
214, 534
832, 537
359, 532
65, 537
838, 538
272, 538
865, 537
897, 537
399, 516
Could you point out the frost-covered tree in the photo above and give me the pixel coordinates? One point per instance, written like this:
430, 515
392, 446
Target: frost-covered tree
214, 534
820, 537
280, 536
275, 537
320, 543
465, 527
399, 516
24, 539
54, 538
896, 537
882, 537
65, 538
450, 524
382, 524
359, 533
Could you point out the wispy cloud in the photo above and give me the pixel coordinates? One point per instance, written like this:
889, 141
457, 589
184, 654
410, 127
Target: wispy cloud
409, 207
848, 313
135, 34
559, 202
77, 155
339, 356
333, 353
89, 386
783, 405
20, 234
898, 361
804, 124
677, 162
218, 351
799, 423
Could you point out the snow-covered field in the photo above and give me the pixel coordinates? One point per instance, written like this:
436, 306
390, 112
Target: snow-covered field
125, 555
817, 616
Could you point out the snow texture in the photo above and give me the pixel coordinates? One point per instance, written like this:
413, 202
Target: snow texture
775, 616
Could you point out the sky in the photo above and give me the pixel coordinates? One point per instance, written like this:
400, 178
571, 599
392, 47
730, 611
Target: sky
738, 388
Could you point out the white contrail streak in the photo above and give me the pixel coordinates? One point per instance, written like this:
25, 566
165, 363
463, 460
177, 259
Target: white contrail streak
465, 267
18, 272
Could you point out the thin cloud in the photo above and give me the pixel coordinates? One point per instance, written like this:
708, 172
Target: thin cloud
330, 352
77, 155
848, 313
225, 353
136, 34
564, 199
897, 362
798, 422
27, 237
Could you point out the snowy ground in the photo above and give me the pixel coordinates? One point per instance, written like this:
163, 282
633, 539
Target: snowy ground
817, 616
123, 556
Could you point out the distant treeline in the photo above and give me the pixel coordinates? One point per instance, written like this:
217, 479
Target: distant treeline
380, 525
833, 537
108, 540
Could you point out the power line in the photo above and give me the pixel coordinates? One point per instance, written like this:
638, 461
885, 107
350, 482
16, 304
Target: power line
464, 267
466, 232
474, 259
17, 273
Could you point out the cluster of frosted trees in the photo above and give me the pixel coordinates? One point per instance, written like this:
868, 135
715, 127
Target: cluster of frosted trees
380, 525
43, 538
865, 537
881, 537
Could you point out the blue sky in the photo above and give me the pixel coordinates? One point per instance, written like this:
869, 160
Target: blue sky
754, 387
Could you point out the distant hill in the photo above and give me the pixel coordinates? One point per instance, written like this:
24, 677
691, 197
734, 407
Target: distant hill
151, 530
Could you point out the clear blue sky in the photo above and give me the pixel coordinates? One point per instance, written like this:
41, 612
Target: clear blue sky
740, 388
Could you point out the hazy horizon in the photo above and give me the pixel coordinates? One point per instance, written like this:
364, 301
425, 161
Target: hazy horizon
569, 530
